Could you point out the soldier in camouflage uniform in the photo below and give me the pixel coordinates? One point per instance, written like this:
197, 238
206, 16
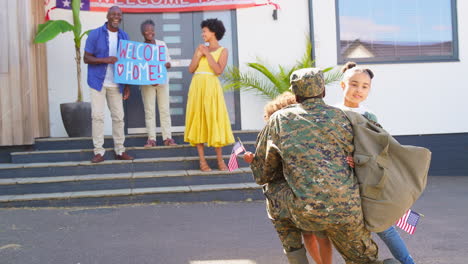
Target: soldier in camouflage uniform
307, 144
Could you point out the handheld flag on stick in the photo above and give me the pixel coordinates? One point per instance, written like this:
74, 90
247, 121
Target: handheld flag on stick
409, 221
236, 150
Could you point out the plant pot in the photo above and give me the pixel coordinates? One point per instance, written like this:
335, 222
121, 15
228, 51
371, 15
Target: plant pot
76, 118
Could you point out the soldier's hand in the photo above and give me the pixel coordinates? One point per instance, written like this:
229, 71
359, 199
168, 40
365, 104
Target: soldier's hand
248, 157
350, 161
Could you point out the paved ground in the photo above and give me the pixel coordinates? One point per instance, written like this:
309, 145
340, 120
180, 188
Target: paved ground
206, 233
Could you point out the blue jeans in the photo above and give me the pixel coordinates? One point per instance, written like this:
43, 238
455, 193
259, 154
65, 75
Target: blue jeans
396, 245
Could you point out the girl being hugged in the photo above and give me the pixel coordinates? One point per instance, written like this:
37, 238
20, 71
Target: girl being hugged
207, 119
356, 85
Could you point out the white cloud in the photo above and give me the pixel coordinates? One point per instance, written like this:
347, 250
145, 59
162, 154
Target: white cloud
362, 28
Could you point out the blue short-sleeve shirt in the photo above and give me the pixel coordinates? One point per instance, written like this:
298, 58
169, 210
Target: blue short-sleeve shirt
98, 45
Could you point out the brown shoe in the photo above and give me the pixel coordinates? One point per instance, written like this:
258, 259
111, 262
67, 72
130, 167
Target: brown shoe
150, 143
124, 156
169, 142
97, 158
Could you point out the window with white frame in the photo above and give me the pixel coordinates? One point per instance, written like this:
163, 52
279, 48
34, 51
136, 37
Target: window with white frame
396, 30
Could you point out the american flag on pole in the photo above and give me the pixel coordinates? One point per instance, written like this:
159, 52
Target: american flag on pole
66, 4
50, 5
409, 221
236, 150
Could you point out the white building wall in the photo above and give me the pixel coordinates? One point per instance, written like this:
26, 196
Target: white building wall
277, 42
61, 70
409, 98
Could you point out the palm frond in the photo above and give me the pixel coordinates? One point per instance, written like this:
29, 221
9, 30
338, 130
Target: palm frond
265, 71
269, 82
306, 60
283, 76
249, 81
333, 76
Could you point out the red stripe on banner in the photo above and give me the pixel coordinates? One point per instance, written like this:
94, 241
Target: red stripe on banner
180, 9
130, 6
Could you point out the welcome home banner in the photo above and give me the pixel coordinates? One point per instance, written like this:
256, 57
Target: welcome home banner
140, 63
144, 6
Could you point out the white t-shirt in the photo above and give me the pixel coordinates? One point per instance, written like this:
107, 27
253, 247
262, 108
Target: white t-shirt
162, 43
361, 110
168, 57
109, 80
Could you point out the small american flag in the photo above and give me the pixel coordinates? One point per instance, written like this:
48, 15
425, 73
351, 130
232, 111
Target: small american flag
236, 150
409, 221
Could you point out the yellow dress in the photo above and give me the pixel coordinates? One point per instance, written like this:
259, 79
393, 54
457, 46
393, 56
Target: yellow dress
206, 117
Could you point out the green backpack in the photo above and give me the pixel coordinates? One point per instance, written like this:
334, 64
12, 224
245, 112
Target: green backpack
391, 176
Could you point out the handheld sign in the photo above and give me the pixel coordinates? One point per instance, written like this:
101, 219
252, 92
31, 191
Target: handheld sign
140, 63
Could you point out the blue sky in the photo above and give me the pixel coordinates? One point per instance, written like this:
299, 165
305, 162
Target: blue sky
396, 20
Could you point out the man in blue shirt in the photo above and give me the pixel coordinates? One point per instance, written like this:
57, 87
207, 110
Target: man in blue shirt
101, 55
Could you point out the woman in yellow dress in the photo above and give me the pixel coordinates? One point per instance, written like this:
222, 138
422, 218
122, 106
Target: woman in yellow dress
207, 119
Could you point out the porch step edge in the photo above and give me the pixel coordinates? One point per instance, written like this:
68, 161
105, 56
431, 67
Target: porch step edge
51, 139
127, 175
128, 192
41, 152
106, 162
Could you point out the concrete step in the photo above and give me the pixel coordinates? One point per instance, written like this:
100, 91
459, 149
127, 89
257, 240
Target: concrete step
137, 140
184, 150
52, 169
37, 185
187, 193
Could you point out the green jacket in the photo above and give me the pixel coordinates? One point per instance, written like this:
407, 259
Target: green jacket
308, 143
391, 176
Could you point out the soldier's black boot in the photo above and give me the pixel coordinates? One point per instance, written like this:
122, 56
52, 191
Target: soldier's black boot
297, 256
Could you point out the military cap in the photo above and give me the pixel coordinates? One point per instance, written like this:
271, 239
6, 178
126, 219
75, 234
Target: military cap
308, 82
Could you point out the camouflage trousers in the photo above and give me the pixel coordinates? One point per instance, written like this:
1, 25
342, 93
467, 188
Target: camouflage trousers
352, 240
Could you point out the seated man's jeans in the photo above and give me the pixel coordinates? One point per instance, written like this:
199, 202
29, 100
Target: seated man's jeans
396, 245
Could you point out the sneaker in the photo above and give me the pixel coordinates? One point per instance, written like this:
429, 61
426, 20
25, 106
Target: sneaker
124, 156
150, 143
97, 158
169, 142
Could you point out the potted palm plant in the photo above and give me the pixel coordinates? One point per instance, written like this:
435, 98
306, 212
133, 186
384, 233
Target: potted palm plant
76, 116
270, 83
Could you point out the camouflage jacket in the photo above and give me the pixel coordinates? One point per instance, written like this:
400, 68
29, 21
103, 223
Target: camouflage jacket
309, 143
